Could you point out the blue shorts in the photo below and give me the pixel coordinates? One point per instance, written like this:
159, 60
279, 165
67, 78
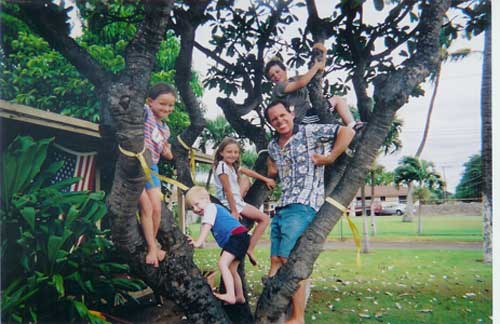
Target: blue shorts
155, 181
287, 226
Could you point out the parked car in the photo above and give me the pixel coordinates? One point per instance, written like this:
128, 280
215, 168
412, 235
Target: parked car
392, 209
359, 210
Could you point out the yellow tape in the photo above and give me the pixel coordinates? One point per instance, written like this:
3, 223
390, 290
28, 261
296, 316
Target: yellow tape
184, 145
173, 182
354, 229
142, 161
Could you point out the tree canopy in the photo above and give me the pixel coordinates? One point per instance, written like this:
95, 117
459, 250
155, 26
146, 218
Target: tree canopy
471, 180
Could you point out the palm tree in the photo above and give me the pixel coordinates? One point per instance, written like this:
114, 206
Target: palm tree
421, 171
215, 132
486, 147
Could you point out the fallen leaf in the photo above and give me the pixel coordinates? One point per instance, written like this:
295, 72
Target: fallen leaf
398, 306
364, 315
426, 310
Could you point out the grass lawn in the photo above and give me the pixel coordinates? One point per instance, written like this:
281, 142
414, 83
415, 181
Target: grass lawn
391, 228
391, 286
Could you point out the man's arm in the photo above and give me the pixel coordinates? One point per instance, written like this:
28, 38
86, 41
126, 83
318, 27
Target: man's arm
342, 141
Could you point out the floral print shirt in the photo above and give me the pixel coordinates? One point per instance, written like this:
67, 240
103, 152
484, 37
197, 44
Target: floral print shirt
301, 181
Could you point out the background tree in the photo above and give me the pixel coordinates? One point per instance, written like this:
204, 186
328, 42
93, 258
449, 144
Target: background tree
471, 182
242, 38
421, 171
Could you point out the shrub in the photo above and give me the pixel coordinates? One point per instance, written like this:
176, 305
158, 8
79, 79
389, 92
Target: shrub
56, 263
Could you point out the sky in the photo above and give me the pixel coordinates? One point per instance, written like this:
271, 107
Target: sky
455, 131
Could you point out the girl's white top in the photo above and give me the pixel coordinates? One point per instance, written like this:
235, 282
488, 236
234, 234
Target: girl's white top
223, 168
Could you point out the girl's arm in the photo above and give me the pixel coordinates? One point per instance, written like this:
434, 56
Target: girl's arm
224, 179
272, 169
205, 228
304, 79
167, 152
270, 183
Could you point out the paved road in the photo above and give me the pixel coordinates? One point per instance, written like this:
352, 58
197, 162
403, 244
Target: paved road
444, 245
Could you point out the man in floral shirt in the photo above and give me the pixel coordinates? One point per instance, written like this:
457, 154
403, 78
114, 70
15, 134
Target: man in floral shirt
298, 155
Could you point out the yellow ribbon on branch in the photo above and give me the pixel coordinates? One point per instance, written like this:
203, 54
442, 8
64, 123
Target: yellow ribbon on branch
192, 157
139, 156
147, 170
354, 229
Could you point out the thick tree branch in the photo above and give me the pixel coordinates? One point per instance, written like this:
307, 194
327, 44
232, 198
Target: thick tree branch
187, 22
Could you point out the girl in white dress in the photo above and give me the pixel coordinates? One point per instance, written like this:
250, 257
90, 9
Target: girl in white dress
230, 190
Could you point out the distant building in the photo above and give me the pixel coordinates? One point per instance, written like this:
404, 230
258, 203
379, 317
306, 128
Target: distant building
384, 193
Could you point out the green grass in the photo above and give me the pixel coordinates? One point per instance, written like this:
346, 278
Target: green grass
442, 228
391, 286
391, 228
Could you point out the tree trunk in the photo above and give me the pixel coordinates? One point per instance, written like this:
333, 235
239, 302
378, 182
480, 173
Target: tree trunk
429, 113
366, 239
420, 229
372, 205
408, 216
486, 148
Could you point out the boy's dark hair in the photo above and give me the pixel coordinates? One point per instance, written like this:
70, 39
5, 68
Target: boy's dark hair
161, 88
275, 103
272, 63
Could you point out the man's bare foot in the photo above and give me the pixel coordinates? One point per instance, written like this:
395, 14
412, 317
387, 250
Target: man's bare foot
152, 258
160, 254
226, 298
251, 257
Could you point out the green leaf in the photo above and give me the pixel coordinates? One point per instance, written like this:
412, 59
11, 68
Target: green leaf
53, 245
126, 284
80, 308
58, 282
28, 214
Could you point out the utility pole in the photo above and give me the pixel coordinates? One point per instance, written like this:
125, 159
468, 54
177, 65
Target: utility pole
445, 184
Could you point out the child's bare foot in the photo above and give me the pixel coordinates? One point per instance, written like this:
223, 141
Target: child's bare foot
152, 258
160, 254
251, 257
294, 321
226, 298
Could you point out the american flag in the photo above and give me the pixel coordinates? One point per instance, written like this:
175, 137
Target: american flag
76, 164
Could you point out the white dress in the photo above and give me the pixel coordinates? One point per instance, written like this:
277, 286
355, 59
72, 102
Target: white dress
223, 168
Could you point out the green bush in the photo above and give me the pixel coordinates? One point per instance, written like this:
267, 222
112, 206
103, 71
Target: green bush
56, 263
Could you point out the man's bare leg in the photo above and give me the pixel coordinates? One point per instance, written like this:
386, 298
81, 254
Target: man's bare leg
298, 305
